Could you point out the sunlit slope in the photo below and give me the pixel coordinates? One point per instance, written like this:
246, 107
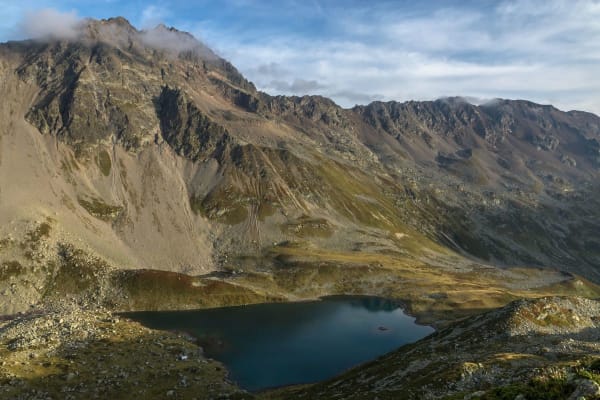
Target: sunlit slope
146, 158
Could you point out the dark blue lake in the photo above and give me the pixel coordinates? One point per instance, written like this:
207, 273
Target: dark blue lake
276, 344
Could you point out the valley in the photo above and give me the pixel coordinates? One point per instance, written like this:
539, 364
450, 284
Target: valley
133, 178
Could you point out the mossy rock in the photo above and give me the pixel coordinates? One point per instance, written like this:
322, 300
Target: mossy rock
197, 206
234, 216
9, 269
159, 290
266, 209
32, 239
550, 388
76, 273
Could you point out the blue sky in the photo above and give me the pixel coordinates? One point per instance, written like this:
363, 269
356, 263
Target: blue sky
358, 51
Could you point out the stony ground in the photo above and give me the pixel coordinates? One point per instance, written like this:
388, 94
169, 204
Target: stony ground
75, 354
546, 348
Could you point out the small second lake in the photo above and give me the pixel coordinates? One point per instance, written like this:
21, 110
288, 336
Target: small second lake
276, 344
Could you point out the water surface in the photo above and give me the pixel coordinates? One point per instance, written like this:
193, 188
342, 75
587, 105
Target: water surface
276, 344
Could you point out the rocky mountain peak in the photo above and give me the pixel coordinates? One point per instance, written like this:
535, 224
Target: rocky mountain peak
175, 41
120, 33
117, 32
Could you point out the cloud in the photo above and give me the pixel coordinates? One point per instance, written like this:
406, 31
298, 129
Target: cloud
174, 41
545, 51
49, 23
271, 69
157, 35
298, 86
541, 50
153, 15
352, 97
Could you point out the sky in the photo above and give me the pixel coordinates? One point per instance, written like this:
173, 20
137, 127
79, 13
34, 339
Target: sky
357, 51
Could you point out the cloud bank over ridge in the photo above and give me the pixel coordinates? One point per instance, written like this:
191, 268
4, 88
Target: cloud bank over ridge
546, 51
50, 23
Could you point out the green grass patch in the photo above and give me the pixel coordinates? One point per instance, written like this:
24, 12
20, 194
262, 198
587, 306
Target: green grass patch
104, 163
546, 388
162, 290
4, 243
32, 238
197, 206
76, 273
230, 213
235, 215
591, 371
265, 210
100, 209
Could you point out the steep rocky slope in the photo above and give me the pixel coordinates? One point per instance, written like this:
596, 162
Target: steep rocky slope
521, 176
143, 150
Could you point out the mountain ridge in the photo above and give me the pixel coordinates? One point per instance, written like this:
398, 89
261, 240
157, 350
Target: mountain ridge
144, 144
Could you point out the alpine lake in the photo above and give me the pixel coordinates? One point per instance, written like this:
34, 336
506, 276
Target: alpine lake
278, 344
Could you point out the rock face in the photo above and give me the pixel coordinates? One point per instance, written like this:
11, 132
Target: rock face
189, 132
146, 149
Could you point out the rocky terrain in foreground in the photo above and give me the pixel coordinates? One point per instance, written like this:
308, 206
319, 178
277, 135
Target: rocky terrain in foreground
82, 354
547, 348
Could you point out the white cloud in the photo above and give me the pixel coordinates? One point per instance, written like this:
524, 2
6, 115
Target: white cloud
174, 41
153, 15
541, 50
545, 51
49, 23
298, 86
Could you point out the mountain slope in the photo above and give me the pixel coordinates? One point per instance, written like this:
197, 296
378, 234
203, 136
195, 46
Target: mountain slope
528, 170
128, 149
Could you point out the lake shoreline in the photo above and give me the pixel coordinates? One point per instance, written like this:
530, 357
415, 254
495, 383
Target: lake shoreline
271, 345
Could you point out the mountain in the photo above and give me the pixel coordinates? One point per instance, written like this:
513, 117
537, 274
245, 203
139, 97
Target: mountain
143, 151
527, 171
141, 171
